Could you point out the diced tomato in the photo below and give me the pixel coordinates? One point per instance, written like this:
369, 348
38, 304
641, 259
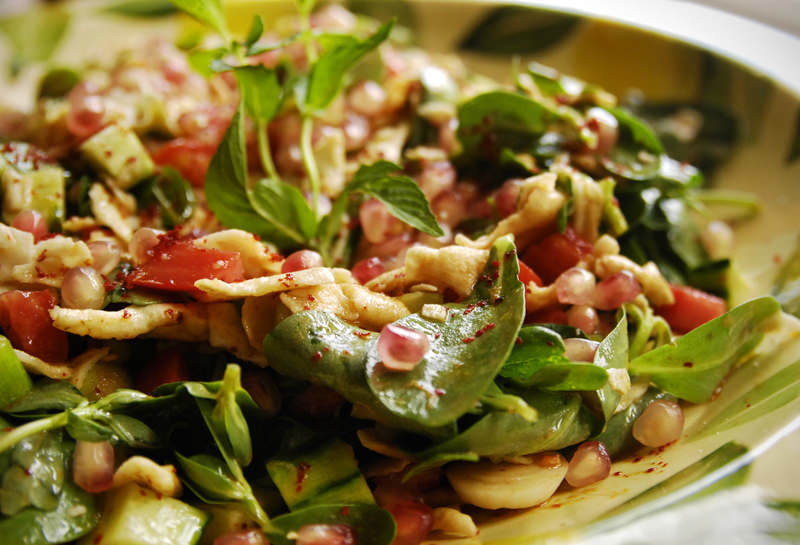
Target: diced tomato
555, 254
188, 156
527, 275
25, 320
552, 315
177, 264
167, 366
692, 308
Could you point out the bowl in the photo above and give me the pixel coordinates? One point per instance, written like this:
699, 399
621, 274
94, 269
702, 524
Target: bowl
676, 57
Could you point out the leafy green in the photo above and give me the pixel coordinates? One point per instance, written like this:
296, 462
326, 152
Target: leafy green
519, 30
611, 353
371, 524
14, 380
210, 479
141, 8
57, 82
692, 366
255, 32
340, 53
538, 359
171, 194
209, 12
263, 94
34, 35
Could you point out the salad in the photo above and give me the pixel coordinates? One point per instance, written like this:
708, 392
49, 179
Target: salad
315, 285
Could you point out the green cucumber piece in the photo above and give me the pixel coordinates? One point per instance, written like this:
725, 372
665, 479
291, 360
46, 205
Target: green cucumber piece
41, 190
117, 152
138, 516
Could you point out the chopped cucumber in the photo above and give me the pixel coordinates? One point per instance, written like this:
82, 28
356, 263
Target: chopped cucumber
138, 516
225, 519
41, 190
118, 152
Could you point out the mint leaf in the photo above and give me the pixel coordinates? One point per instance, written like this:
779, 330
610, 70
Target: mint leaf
209, 12
342, 51
255, 32
262, 92
284, 204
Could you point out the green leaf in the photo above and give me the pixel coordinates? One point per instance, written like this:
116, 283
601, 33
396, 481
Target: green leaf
494, 121
612, 353
171, 194
341, 52
497, 400
767, 396
207, 61
265, 209
133, 432
142, 8
14, 380
255, 32
692, 366
511, 30
401, 195
637, 131
787, 283
74, 516
401, 10
371, 524
57, 82
261, 90
82, 427
209, 12
209, 476
227, 421
46, 397
33, 36
536, 347
466, 351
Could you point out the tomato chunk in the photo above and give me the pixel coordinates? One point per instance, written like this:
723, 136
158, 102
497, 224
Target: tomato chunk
527, 275
189, 157
555, 254
692, 308
25, 320
176, 265
167, 366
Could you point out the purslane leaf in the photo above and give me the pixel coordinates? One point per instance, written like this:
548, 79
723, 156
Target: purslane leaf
210, 477
341, 52
261, 91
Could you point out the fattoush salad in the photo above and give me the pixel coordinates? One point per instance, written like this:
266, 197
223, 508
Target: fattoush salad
314, 285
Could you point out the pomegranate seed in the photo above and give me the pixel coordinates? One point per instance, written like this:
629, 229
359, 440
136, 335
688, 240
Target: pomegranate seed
87, 111
580, 349
507, 197
605, 126
589, 464
401, 348
450, 207
584, 318
105, 255
93, 466
367, 98
437, 177
376, 221
356, 132
575, 286
300, 260
245, 537
32, 222
616, 290
367, 269
325, 534
83, 287
660, 423
143, 242
414, 519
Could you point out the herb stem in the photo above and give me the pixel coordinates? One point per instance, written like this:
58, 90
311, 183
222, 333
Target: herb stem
310, 163
19, 433
264, 151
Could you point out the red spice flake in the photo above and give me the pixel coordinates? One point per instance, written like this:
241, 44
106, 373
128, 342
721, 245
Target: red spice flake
362, 334
130, 160
6, 430
437, 334
159, 496
556, 505
142, 492
439, 392
498, 300
748, 405
650, 470
510, 254
777, 259
97, 539
467, 340
345, 510
688, 364
482, 303
311, 298
469, 309
518, 341
126, 314
637, 460
348, 353
274, 257
484, 329
617, 474
317, 356
170, 312
303, 470
495, 263
326, 349
108, 153
42, 256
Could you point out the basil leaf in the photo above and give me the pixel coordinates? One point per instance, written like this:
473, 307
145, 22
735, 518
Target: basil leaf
466, 351
210, 478
261, 90
255, 32
209, 12
141, 8
33, 36
341, 52
401, 195
691, 367
284, 204
371, 524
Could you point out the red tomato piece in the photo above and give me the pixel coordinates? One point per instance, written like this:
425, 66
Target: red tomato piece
189, 157
527, 275
555, 254
167, 366
692, 308
25, 320
176, 265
